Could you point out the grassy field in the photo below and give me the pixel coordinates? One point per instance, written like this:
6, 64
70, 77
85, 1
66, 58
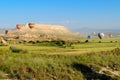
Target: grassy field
76, 60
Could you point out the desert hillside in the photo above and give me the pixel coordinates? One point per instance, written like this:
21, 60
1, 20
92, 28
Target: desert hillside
44, 31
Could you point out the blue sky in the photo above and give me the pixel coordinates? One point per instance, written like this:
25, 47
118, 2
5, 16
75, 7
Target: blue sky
74, 14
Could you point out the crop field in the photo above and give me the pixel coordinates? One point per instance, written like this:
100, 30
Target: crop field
61, 60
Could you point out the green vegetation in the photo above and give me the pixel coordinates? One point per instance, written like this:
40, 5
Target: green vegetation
52, 61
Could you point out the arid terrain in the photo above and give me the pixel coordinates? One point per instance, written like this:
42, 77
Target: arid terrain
53, 52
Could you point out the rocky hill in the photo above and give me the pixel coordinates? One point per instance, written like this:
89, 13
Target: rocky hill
44, 31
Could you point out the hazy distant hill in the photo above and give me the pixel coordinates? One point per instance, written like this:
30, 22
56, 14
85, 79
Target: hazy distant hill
2, 31
88, 30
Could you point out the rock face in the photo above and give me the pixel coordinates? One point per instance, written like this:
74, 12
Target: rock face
3, 42
43, 29
48, 31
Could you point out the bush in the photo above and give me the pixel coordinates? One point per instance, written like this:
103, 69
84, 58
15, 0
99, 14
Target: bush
17, 50
86, 41
116, 51
59, 42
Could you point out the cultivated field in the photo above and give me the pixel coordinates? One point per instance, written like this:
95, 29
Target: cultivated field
61, 60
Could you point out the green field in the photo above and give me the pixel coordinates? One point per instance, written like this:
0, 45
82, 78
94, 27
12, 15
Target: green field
71, 60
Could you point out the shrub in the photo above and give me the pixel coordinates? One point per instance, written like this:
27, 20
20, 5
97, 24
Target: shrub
111, 41
17, 50
59, 42
86, 41
33, 42
116, 51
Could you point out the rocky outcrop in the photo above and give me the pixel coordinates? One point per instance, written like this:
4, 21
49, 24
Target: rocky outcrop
43, 29
47, 31
40, 31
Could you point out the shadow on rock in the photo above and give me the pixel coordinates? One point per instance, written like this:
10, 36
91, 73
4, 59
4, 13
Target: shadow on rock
90, 74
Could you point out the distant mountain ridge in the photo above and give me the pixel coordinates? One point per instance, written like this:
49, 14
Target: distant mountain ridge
85, 29
2, 31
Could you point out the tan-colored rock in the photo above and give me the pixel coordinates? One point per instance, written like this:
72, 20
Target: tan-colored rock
3, 42
41, 31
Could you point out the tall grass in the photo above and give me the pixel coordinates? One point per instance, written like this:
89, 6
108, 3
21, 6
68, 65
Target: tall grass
38, 63
57, 67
